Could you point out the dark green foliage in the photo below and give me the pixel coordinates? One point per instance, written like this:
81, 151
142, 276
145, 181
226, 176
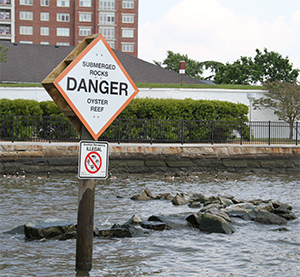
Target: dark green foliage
20, 107
187, 109
174, 120
50, 108
36, 123
166, 120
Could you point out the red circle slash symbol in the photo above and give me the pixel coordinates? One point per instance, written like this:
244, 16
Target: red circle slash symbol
93, 162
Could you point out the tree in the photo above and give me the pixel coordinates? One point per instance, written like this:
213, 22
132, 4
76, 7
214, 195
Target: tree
284, 99
271, 66
192, 68
3, 55
213, 66
267, 66
237, 73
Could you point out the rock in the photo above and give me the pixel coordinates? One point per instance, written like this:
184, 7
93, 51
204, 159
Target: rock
148, 192
154, 225
172, 221
219, 213
281, 229
211, 223
284, 212
238, 211
194, 219
134, 220
256, 201
210, 206
265, 217
212, 200
142, 196
277, 204
165, 195
49, 228
120, 231
16, 231
225, 201
180, 199
198, 197
65, 236
195, 204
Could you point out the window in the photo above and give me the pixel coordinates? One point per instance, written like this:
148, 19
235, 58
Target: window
106, 18
85, 31
26, 30
26, 15
44, 16
127, 18
63, 43
63, 17
25, 2
111, 44
63, 32
45, 42
87, 17
107, 5
4, 14
44, 31
107, 32
127, 47
85, 3
128, 4
5, 30
26, 41
128, 33
63, 3
44, 3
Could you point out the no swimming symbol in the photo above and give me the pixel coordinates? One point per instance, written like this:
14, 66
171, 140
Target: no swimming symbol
93, 162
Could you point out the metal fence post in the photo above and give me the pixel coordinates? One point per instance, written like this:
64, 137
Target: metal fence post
13, 129
296, 132
269, 142
241, 142
212, 132
151, 131
119, 132
50, 129
182, 128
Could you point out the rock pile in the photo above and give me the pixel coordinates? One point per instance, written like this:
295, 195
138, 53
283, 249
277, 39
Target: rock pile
216, 215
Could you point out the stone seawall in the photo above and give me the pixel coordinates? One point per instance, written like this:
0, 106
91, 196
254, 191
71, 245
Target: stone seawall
138, 158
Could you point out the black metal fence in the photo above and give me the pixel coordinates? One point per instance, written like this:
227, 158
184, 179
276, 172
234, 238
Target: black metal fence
58, 129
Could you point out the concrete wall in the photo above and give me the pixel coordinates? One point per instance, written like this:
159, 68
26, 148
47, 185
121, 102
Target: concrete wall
137, 158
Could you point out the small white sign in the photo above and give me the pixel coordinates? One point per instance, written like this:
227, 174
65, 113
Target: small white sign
93, 160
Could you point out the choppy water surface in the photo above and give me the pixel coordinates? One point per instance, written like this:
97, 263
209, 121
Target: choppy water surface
253, 250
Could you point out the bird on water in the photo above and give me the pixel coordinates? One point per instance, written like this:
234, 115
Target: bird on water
44, 177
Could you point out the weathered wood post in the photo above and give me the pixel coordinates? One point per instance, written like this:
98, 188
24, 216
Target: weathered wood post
85, 219
91, 105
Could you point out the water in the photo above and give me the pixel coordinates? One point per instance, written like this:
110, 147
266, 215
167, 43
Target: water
253, 250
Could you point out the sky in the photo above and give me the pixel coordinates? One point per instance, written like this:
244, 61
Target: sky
219, 30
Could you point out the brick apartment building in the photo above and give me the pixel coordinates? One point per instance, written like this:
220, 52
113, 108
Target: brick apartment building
67, 22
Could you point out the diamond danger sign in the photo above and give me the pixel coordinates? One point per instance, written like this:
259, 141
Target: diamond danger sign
96, 86
93, 160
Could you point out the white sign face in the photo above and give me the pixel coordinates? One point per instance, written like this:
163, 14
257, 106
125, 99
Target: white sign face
96, 86
93, 160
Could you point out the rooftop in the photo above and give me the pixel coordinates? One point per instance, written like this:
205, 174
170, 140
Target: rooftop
32, 63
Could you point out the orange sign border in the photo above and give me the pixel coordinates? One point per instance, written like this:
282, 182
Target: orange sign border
73, 64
